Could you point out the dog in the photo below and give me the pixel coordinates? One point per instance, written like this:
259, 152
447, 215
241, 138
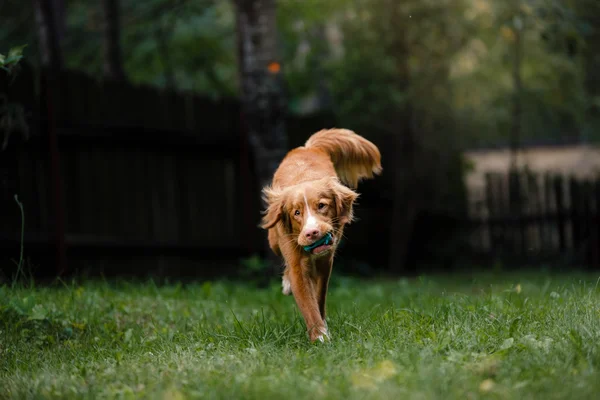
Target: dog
309, 201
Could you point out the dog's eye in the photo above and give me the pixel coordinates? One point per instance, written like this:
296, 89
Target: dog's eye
321, 206
297, 212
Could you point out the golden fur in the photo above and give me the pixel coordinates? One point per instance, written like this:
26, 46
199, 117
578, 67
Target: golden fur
308, 199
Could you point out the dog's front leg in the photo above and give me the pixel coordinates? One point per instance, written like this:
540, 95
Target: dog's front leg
323, 270
305, 293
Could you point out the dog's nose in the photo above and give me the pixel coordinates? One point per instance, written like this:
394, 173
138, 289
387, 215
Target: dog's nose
312, 234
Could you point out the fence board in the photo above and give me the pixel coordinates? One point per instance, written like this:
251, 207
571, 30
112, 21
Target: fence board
596, 225
550, 233
535, 208
560, 212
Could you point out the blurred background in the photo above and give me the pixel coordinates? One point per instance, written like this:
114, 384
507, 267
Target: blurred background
137, 135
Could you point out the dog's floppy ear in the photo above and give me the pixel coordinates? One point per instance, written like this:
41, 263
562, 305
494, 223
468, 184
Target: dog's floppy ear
274, 211
344, 201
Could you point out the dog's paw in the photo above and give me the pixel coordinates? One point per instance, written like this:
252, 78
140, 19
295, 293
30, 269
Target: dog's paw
286, 286
324, 338
322, 335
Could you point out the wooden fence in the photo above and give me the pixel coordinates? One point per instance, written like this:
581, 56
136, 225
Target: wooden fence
143, 177
139, 179
528, 217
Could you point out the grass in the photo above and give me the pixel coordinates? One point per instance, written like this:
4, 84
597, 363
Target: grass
465, 337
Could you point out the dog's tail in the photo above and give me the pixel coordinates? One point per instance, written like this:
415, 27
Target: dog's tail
353, 156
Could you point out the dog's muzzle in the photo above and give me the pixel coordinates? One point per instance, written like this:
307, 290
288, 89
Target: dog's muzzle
325, 240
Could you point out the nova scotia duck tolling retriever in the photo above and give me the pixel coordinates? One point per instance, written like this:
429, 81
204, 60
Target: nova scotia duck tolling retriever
308, 204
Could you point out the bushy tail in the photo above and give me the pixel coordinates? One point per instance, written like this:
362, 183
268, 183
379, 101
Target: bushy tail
353, 156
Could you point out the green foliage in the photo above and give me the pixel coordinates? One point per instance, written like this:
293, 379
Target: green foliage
460, 57
553, 95
185, 45
461, 64
304, 47
11, 60
516, 336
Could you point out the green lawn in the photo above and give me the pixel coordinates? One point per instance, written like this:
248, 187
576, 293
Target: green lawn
465, 337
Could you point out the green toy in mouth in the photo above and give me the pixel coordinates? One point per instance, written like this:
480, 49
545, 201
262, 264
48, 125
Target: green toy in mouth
324, 241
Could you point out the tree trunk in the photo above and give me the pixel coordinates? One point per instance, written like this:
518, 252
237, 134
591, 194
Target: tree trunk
48, 33
263, 102
113, 61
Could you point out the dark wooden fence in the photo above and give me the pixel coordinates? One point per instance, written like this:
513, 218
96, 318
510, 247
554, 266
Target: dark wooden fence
138, 179
144, 177
525, 217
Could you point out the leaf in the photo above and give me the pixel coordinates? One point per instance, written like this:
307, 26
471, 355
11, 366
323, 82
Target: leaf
531, 342
16, 52
38, 313
12, 60
14, 56
507, 344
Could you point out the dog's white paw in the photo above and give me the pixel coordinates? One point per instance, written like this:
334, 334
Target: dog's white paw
324, 338
286, 286
324, 334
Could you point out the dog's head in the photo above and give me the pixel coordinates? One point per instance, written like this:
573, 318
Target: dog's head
310, 213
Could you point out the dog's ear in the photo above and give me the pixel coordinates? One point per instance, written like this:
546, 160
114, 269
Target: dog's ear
274, 212
344, 201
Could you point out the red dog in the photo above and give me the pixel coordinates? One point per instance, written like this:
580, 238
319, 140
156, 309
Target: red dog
308, 207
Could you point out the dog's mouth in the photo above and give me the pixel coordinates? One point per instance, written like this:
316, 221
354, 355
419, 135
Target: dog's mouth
321, 249
320, 246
